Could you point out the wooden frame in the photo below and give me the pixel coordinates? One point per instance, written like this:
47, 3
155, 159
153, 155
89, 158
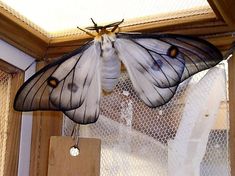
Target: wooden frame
14, 126
40, 46
231, 67
217, 29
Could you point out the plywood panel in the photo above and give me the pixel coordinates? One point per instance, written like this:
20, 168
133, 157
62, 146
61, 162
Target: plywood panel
61, 163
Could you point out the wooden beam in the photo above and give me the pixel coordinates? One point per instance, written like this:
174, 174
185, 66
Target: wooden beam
62, 45
218, 33
22, 36
231, 73
14, 127
226, 9
8, 68
45, 125
223, 41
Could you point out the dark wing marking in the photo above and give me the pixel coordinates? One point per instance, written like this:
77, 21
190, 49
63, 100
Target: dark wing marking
149, 72
88, 112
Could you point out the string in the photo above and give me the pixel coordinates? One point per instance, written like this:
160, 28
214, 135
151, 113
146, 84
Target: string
75, 135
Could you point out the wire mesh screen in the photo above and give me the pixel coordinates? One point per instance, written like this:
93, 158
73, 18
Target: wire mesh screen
186, 136
5, 83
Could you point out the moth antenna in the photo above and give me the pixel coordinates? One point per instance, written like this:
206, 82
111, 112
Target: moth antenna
95, 25
117, 26
93, 22
88, 33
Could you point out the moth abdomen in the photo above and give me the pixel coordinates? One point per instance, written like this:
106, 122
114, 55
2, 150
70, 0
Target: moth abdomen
110, 72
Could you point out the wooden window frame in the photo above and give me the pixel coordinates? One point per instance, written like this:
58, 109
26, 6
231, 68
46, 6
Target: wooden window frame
14, 125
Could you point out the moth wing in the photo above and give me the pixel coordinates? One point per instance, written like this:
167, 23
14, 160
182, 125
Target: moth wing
139, 66
196, 54
158, 63
61, 85
89, 110
152, 95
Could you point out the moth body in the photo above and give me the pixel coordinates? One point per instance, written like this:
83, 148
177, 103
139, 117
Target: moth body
110, 63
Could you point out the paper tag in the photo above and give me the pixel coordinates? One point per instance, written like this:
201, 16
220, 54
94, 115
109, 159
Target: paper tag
63, 161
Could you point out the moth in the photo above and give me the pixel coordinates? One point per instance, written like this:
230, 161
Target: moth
156, 64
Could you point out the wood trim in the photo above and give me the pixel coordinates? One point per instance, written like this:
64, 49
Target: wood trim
45, 124
224, 8
218, 33
223, 42
214, 8
8, 68
22, 36
62, 45
231, 73
14, 127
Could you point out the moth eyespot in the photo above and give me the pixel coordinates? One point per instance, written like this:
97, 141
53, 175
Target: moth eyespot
172, 52
52, 82
72, 87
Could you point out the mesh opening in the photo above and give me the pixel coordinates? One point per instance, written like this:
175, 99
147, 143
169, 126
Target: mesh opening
5, 85
186, 136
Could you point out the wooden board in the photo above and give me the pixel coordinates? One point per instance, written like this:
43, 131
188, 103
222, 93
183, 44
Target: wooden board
61, 163
13, 132
231, 73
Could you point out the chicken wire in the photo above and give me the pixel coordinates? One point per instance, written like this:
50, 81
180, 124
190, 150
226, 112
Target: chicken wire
5, 84
186, 136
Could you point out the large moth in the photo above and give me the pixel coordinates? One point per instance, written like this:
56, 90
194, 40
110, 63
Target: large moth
156, 64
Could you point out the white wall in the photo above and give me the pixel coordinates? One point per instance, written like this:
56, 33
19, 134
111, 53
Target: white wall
21, 60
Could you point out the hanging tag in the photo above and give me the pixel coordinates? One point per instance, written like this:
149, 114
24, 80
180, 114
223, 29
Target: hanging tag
65, 159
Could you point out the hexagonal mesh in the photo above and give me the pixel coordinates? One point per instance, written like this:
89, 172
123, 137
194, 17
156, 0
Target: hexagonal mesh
5, 85
186, 136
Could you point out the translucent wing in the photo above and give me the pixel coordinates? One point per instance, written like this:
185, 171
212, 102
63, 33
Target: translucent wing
194, 53
198, 54
152, 95
88, 112
62, 85
158, 63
